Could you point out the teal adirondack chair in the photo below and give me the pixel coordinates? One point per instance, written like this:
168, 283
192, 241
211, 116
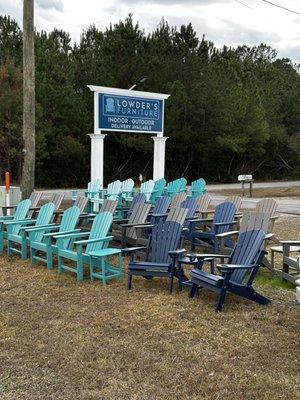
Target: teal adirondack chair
174, 187
44, 244
19, 237
198, 188
127, 189
94, 254
19, 215
158, 190
147, 188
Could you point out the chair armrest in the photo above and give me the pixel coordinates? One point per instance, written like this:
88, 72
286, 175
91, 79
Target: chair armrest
274, 217
129, 250
202, 256
42, 228
158, 215
233, 267
269, 236
291, 242
225, 223
226, 234
176, 253
34, 208
141, 226
21, 221
145, 225
70, 234
6, 218
59, 234
104, 239
8, 207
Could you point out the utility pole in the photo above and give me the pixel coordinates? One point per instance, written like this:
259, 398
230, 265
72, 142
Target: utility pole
28, 169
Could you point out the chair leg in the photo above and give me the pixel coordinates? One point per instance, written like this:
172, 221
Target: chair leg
91, 269
193, 243
32, 255
120, 266
171, 284
60, 261
79, 270
221, 300
193, 290
23, 250
129, 281
1, 241
49, 257
103, 271
9, 243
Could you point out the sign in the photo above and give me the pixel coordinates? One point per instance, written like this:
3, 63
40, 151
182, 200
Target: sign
130, 113
243, 178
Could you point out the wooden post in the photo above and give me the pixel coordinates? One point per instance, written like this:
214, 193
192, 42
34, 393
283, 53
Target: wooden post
28, 169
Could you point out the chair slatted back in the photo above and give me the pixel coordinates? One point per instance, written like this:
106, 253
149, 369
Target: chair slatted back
93, 189
44, 218
35, 197
191, 205
183, 183
113, 190
178, 199
165, 237
57, 199
246, 251
158, 189
68, 223
138, 199
267, 205
162, 205
203, 202
236, 200
198, 187
224, 212
177, 214
147, 188
21, 212
253, 220
109, 205
127, 188
81, 203
174, 187
138, 216
100, 227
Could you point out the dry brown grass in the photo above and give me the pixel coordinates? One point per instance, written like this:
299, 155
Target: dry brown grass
63, 340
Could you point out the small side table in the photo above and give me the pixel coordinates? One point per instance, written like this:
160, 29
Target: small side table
100, 266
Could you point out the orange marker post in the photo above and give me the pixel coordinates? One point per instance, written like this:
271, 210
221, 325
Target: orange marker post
7, 189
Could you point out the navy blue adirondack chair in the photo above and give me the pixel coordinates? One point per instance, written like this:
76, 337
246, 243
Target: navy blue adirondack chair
222, 222
160, 209
162, 253
238, 274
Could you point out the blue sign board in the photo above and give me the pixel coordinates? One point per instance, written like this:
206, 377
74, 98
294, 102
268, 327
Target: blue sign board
130, 114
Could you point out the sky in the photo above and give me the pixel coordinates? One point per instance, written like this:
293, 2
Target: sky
230, 22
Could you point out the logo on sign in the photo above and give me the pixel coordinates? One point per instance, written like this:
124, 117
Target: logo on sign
110, 105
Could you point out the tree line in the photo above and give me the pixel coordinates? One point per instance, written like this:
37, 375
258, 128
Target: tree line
231, 110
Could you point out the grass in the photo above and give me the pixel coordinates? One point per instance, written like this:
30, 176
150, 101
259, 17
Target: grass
293, 192
64, 341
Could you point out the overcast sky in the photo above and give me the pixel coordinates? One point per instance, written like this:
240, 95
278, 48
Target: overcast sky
223, 21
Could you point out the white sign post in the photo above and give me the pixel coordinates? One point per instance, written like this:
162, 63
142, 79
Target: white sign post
122, 110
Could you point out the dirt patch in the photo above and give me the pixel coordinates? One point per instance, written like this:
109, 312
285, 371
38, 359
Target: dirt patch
65, 341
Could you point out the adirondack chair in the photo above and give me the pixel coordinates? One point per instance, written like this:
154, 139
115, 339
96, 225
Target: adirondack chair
34, 198
56, 199
92, 251
174, 187
160, 209
244, 260
138, 199
290, 264
222, 221
203, 205
236, 200
158, 190
198, 188
147, 189
177, 199
131, 229
19, 215
111, 193
44, 244
162, 254
127, 189
269, 206
93, 190
18, 236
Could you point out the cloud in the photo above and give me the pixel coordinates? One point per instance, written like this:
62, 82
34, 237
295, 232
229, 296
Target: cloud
50, 5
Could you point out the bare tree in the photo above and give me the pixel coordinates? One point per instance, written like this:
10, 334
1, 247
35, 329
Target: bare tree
28, 170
